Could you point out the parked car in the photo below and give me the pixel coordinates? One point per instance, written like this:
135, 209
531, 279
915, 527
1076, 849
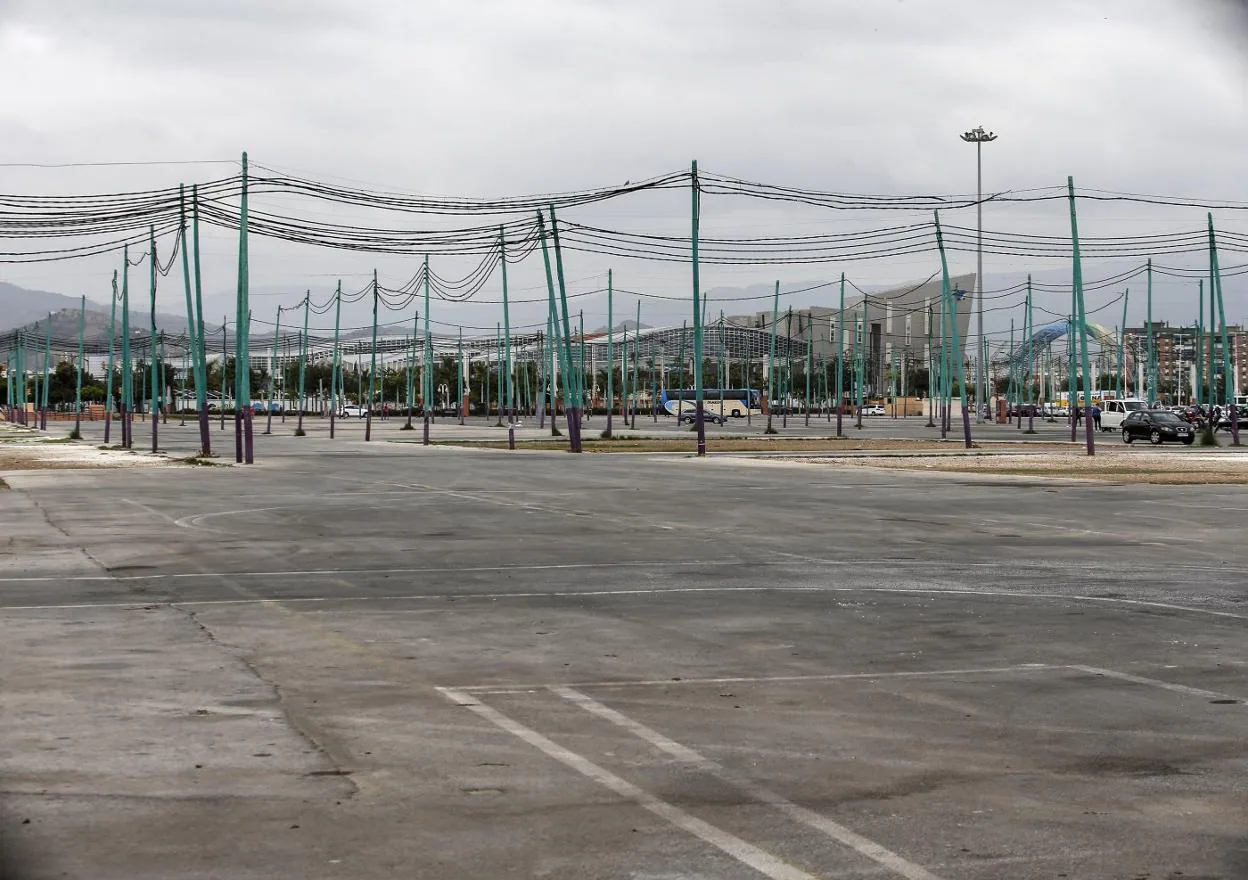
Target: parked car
875, 409
351, 411
1115, 412
689, 418
1157, 426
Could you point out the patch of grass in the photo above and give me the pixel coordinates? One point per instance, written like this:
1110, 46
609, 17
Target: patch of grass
408, 426
70, 439
4, 487
75, 434
1207, 437
198, 461
299, 432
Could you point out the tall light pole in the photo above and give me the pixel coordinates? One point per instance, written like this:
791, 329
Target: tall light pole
979, 137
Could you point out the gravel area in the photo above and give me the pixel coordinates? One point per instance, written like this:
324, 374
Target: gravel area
22, 449
1112, 464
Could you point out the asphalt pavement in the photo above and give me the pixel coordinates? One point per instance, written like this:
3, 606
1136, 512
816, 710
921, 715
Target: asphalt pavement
379, 659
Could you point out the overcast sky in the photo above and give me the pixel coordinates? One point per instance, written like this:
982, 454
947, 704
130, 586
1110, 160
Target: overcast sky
502, 97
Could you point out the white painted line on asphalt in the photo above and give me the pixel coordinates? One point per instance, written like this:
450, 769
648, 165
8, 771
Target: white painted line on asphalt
862, 845
1114, 535
195, 520
151, 510
764, 679
339, 572
428, 597
746, 853
1157, 683
543, 594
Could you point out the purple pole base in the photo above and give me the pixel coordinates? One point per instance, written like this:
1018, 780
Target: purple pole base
205, 433
574, 428
249, 447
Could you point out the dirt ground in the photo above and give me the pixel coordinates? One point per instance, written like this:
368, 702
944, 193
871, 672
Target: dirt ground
1117, 466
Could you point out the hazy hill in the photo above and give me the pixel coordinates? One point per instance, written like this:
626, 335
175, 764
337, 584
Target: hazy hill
25, 309
19, 306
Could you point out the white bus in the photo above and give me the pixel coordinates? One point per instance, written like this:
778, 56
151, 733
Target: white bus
736, 403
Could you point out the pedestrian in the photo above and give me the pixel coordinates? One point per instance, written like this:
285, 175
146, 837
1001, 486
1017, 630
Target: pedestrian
1096, 417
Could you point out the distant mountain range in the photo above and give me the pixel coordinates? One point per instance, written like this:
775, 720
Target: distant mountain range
27, 310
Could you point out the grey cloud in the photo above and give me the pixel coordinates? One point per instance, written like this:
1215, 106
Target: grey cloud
505, 97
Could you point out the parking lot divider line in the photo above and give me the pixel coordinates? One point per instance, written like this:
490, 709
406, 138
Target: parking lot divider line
864, 846
746, 853
762, 679
1157, 683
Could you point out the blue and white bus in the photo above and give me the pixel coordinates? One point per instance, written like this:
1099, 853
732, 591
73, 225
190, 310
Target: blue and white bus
727, 402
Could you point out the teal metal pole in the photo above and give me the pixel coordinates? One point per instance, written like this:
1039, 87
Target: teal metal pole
48, 369
108, 379
427, 396
1151, 362
699, 403
840, 360
624, 382
1082, 318
201, 357
771, 359
1029, 332
610, 352
411, 372
163, 373
572, 389
511, 398
955, 335
155, 389
810, 368
127, 366
460, 378
860, 362
1122, 339
635, 386
303, 362
1200, 343
372, 370
82, 328
192, 330
498, 373
243, 452
337, 391
1215, 291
